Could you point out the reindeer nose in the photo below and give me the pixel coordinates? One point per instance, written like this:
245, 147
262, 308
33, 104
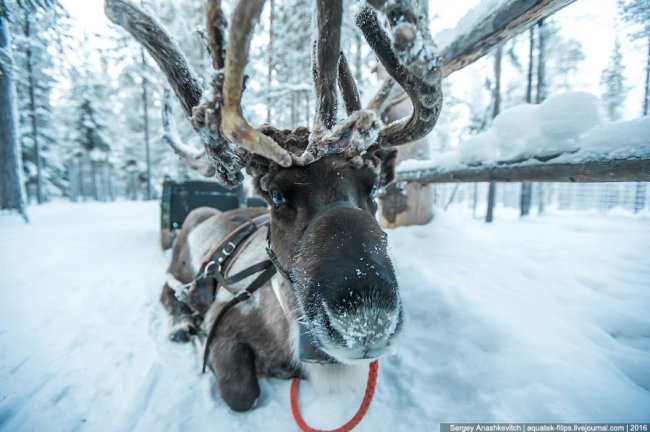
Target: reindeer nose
364, 330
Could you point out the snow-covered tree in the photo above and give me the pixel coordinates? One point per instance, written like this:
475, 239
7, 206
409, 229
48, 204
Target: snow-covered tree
91, 137
638, 12
40, 36
613, 80
289, 94
496, 109
12, 194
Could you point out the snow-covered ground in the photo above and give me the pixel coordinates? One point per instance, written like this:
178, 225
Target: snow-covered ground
536, 320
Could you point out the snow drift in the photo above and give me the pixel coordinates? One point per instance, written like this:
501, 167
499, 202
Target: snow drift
541, 320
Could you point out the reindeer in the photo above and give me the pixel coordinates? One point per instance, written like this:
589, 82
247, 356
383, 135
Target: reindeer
335, 284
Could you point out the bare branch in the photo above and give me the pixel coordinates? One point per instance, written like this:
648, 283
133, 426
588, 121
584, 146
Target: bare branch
410, 59
348, 87
504, 23
616, 170
233, 125
195, 158
161, 46
326, 57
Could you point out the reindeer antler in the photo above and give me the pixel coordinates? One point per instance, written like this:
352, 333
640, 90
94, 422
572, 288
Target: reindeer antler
410, 59
233, 124
231, 142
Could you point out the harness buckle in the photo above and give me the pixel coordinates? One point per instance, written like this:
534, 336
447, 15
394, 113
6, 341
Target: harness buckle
244, 294
181, 292
206, 270
232, 247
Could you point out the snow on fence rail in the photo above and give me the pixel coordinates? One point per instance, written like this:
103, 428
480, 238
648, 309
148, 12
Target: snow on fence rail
616, 170
560, 140
488, 25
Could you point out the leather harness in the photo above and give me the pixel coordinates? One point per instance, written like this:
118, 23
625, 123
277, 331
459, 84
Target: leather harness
199, 294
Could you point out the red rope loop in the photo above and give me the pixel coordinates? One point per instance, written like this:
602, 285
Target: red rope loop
354, 421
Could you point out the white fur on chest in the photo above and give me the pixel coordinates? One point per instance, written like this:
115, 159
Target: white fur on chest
332, 378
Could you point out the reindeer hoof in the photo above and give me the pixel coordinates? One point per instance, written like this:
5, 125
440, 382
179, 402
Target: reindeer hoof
182, 332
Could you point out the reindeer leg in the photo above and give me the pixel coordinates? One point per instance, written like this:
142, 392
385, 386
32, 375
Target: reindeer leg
233, 363
182, 323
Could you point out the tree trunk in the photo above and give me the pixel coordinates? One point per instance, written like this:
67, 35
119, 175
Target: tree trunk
109, 182
474, 199
492, 190
12, 192
269, 74
93, 178
531, 65
646, 95
540, 198
72, 181
527, 187
525, 198
496, 107
639, 197
541, 88
31, 84
541, 64
145, 113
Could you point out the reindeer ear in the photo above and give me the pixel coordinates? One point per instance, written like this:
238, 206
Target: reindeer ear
388, 159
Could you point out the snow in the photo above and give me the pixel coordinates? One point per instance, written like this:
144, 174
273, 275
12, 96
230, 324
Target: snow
469, 21
632, 136
570, 124
542, 319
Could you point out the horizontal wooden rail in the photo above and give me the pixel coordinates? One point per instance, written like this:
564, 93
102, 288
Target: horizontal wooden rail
614, 170
506, 22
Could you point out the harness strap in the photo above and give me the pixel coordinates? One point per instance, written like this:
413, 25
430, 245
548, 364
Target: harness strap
201, 291
238, 298
226, 282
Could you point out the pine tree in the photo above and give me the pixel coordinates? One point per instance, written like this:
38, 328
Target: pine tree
91, 137
638, 12
613, 80
496, 109
12, 194
290, 90
40, 36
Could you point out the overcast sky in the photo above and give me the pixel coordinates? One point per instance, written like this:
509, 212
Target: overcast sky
595, 23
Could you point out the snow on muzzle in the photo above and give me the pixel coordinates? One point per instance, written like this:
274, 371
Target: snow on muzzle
346, 286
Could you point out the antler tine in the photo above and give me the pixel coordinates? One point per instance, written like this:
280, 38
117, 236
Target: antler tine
186, 85
329, 15
410, 60
216, 25
233, 125
162, 47
380, 97
196, 159
348, 87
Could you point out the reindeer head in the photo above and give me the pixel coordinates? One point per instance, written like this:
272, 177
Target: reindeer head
321, 185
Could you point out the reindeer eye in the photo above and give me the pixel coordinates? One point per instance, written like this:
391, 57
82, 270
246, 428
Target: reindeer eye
373, 192
277, 199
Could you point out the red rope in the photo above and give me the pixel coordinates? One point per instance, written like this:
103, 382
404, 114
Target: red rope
361, 412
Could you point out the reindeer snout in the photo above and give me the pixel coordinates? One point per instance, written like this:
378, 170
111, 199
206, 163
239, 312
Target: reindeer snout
347, 285
361, 316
